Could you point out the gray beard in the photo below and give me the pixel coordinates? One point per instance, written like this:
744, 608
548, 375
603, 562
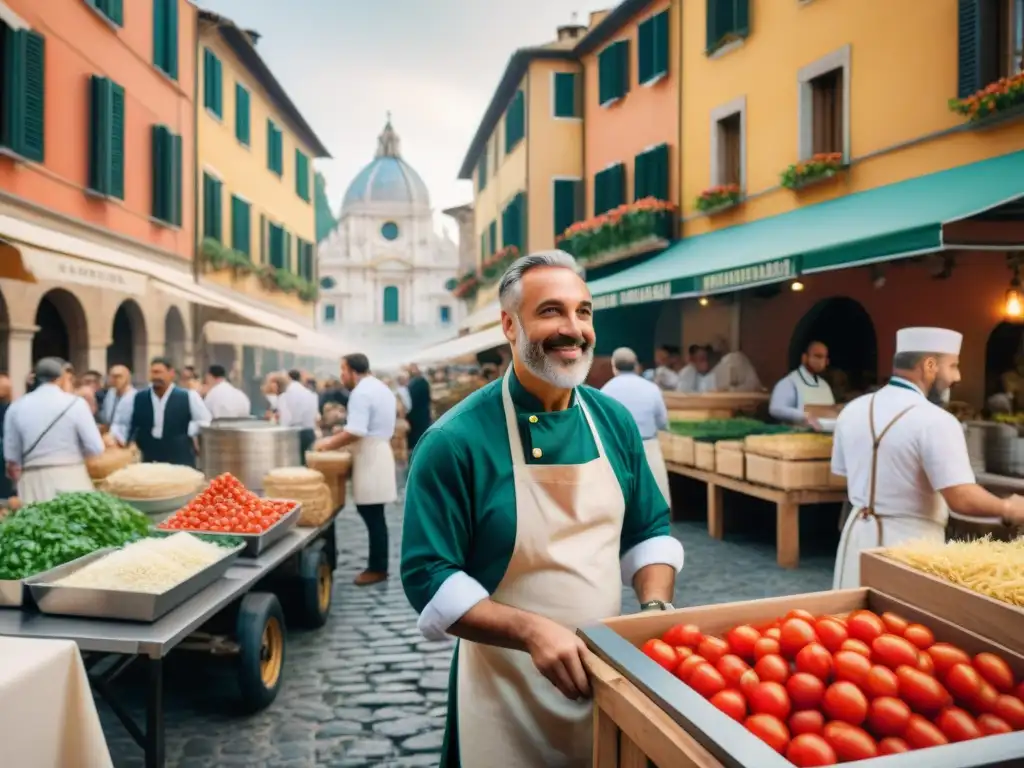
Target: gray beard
543, 366
939, 396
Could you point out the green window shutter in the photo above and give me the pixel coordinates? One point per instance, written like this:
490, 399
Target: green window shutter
213, 83
165, 36
969, 48
99, 134
481, 171
713, 33
212, 208
160, 150
302, 175
276, 246
263, 239
640, 175
24, 86
566, 101
645, 51
117, 158
599, 194
741, 18
622, 67
171, 61
492, 238
115, 11
176, 180
241, 225
483, 246
567, 195
605, 70
242, 130
160, 38
658, 173
515, 117
524, 223
287, 250
218, 211
660, 36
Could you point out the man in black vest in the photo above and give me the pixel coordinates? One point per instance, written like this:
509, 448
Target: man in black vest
166, 419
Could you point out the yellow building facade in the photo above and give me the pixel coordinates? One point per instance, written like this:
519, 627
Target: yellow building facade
256, 220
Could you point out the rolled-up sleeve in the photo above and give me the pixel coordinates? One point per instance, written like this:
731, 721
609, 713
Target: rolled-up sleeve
436, 535
785, 402
199, 414
357, 421
12, 438
838, 458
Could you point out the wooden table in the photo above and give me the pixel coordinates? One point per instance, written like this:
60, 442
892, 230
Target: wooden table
787, 507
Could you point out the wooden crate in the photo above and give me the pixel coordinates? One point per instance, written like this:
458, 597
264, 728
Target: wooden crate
699, 414
676, 449
643, 712
704, 456
1003, 622
729, 458
787, 475
714, 401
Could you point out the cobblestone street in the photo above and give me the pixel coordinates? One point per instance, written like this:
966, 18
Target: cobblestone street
368, 690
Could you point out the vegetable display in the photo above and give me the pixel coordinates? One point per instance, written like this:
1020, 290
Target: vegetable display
227, 506
831, 689
713, 430
42, 536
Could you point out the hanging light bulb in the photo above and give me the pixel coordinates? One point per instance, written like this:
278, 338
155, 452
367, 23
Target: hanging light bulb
1013, 303
703, 301
796, 285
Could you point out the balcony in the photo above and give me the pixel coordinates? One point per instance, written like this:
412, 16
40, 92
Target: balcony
236, 271
466, 285
622, 233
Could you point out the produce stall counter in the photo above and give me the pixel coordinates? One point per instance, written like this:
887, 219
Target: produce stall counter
787, 503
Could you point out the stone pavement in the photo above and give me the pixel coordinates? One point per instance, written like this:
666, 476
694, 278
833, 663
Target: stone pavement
368, 690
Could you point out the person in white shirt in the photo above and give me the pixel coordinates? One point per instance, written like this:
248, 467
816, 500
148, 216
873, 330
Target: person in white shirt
367, 434
735, 373
643, 399
402, 391
802, 387
298, 406
667, 364
48, 434
697, 377
905, 457
165, 419
116, 411
224, 400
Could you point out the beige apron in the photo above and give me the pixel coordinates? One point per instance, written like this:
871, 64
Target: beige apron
44, 483
821, 394
865, 527
656, 461
565, 566
373, 471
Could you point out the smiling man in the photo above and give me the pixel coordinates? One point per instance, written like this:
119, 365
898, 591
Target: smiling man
527, 506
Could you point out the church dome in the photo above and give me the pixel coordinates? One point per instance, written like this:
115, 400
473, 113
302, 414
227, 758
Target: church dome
387, 180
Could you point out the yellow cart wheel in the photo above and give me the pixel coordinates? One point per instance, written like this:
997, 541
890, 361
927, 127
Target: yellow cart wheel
262, 638
315, 588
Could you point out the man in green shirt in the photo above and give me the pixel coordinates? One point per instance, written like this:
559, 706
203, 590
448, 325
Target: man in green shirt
528, 505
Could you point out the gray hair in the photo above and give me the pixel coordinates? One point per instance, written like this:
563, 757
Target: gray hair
510, 290
50, 369
624, 359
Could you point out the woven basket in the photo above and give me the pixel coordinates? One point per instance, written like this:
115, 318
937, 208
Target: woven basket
315, 498
799, 447
110, 461
330, 462
298, 478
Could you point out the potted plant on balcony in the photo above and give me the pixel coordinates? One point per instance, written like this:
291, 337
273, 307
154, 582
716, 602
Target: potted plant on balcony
716, 199
495, 265
1001, 98
464, 286
817, 168
219, 256
625, 231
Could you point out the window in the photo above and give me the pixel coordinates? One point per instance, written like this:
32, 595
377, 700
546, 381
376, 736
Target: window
728, 137
166, 151
106, 137
213, 83
278, 252
275, 149
390, 304
328, 283
651, 174
241, 226
613, 73
991, 42
513, 223
305, 260
330, 313
567, 95
609, 188
389, 230
165, 37
515, 122
824, 105
568, 204
112, 9
492, 238
213, 208
727, 21
243, 109
22, 129
446, 314
481, 171
263, 239
302, 174
652, 48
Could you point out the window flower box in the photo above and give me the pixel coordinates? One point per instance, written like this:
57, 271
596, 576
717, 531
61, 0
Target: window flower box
218, 256
621, 233
718, 199
467, 284
996, 102
818, 168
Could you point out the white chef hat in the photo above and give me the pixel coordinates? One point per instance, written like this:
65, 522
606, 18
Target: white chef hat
937, 340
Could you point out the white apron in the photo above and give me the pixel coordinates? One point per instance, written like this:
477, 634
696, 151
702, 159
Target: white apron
565, 566
868, 527
656, 461
811, 394
43, 483
373, 471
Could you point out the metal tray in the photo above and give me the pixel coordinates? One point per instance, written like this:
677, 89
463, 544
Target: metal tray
258, 543
14, 593
119, 604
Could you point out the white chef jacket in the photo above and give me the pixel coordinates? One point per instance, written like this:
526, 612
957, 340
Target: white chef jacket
298, 406
117, 412
735, 373
199, 415
225, 401
72, 439
643, 399
696, 383
371, 410
666, 378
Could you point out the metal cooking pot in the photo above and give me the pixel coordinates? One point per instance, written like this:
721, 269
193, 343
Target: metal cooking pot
248, 449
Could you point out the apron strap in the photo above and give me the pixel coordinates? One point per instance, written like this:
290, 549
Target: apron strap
876, 440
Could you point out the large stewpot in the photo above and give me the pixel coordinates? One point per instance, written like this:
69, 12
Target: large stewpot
248, 449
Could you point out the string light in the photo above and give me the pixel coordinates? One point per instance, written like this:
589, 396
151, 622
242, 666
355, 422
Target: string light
796, 285
703, 301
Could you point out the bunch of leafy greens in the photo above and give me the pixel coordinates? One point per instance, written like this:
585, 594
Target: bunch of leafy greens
44, 535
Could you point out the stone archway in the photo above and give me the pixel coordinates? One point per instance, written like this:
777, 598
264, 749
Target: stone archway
63, 331
846, 328
129, 338
175, 335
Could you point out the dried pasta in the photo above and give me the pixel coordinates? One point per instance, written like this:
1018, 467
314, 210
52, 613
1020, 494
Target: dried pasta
153, 481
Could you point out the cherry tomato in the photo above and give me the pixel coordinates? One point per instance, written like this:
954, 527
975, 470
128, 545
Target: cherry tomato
945, 656
963, 681
749, 681
881, 681
992, 724
846, 702
1020, 690
920, 636
815, 659
892, 746
661, 653
809, 749
742, 640
806, 721
864, 626
796, 633
713, 648
770, 699
805, 690
851, 666
683, 634
894, 623
773, 632
687, 665
925, 664
830, 633
765, 646
922, 692
770, 730
850, 742
984, 700
921, 734
996, 671
706, 680
888, 716
732, 668
893, 651
772, 668
800, 613
957, 725
856, 646
732, 703
683, 651
1011, 710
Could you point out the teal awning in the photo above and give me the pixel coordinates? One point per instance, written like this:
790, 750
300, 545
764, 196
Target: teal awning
889, 222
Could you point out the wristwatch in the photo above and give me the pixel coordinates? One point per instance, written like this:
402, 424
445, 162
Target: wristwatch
656, 605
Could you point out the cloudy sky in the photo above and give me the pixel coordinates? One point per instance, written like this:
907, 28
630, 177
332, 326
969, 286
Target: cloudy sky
433, 63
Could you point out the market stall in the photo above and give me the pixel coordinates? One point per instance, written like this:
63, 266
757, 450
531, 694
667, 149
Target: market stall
685, 406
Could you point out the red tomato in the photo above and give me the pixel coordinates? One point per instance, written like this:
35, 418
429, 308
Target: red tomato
772, 668
894, 623
706, 680
984, 700
920, 636
683, 652
864, 626
770, 730
892, 746
742, 640
809, 749
765, 646
732, 703
770, 699
921, 734
851, 666
945, 656
687, 665
996, 671
800, 613
922, 692
846, 702
850, 742
925, 663
963, 681
815, 660
806, 721
773, 632
683, 634
856, 646
796, 633
991, 724
1010, 709
713, 648
732, 669
957, 725
749, 681
888, 716
893, 651
830, 633
663, 654
1020, 690
805, 690
881, 681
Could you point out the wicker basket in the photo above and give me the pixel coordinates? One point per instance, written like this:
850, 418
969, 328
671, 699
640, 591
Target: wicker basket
306, 486
729, 458
330, 462
110, 461
799, 447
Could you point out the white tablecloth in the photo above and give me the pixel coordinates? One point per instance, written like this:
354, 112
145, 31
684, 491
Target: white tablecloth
48, 717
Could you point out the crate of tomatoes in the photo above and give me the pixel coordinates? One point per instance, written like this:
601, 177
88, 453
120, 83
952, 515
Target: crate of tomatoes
227, 507
851, 677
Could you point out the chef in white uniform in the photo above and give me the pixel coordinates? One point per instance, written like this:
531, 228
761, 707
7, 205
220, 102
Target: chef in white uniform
370, 425
223, 399
697, 377
905, 457
802, 387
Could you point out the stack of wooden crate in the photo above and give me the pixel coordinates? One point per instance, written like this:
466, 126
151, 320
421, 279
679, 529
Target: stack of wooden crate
791, 462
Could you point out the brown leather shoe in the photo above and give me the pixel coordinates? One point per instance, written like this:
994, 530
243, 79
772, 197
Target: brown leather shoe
366, 578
